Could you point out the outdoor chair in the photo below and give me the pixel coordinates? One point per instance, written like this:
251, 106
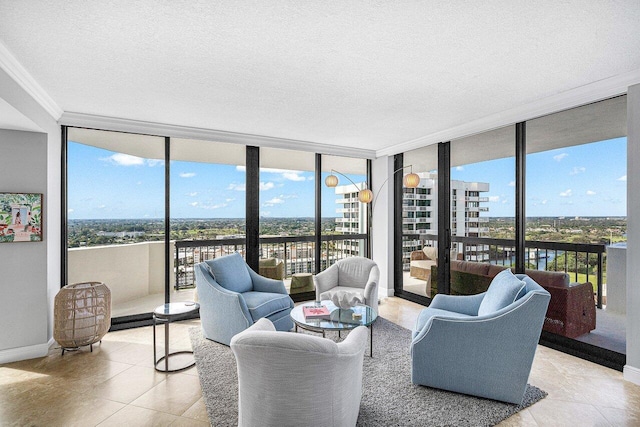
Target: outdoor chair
233, 297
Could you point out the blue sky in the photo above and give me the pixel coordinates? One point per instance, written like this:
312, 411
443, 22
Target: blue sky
586, 180
104, 184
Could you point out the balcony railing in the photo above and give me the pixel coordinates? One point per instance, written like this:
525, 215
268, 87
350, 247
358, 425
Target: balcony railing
538, 253
297, 252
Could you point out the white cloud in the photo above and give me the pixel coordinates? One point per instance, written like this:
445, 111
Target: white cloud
273, 202
293, 176
102, 206
155, 162
229, 200
139, 183
122, 159
559, 157
265, 213
194, 204
69, 210
241, 168
512, 183
494, 198
544, 202
187, 174
591, 193
576, 170
236, 187
213, 207
567, 193
459, 168
266, 186
193, 194
622, 178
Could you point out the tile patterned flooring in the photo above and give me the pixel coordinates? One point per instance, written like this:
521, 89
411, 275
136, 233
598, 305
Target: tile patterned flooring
116, 385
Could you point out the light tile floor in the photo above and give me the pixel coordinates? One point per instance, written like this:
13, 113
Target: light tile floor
116, 385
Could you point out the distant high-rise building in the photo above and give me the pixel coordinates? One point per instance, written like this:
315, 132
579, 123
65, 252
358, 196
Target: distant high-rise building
420, 213
353, 219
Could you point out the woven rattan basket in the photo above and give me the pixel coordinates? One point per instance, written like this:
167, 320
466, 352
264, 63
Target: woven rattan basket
82, 314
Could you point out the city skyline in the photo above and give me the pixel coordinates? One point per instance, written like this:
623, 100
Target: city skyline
585, 180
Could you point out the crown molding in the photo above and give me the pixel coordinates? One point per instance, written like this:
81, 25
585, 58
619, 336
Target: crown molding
592, 92
160, 129
21, 76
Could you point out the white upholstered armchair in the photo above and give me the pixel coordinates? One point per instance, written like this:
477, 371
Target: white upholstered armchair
289, 379
354, 274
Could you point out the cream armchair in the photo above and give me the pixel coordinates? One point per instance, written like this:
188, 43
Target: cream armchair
289, 379
354, 274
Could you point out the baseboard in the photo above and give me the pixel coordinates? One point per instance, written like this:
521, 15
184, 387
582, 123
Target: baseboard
631, 374
24, 353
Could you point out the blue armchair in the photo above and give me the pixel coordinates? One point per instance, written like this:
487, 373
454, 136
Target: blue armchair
483, 344
233, 297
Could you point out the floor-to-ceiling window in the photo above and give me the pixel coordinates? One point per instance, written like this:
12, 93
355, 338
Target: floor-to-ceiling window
287, 217
207, 207
569, 219
420, 222
143, 210
576, 210
342, 211
116, 216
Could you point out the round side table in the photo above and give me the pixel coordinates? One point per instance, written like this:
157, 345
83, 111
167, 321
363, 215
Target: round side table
167, 313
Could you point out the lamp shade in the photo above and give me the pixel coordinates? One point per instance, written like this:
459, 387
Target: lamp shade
331, 181
365, 196
411, 180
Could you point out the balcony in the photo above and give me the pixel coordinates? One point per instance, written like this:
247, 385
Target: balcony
137, 284
543, 255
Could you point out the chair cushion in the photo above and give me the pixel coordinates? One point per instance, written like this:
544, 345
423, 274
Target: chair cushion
504, 289
326, 295
268, 262
430, 252
428, 313
231, 273
264, 304
354, 271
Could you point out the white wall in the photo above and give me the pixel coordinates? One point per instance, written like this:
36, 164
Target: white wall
632, 368
23, 277
382, 230
39, 160
130, 271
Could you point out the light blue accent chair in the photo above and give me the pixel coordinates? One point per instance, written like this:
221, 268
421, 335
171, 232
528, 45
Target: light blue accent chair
233, 297
484, 344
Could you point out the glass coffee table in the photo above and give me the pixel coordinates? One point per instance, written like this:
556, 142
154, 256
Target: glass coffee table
340, 319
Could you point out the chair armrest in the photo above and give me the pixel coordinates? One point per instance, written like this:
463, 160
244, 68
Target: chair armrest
465, 304
513, 322
371, 288
326, 280
220, 306
418, 255
264, 284
263, 324
355, 342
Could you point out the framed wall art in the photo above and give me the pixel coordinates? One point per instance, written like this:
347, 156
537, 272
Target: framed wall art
20, 217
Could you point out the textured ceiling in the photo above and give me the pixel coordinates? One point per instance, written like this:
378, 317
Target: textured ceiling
366, 74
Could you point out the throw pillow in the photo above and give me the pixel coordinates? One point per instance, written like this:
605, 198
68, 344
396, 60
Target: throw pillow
503, 290
231, 273
430, 252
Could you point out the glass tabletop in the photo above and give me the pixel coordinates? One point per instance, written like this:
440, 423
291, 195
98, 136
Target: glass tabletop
339, 318
175, 308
